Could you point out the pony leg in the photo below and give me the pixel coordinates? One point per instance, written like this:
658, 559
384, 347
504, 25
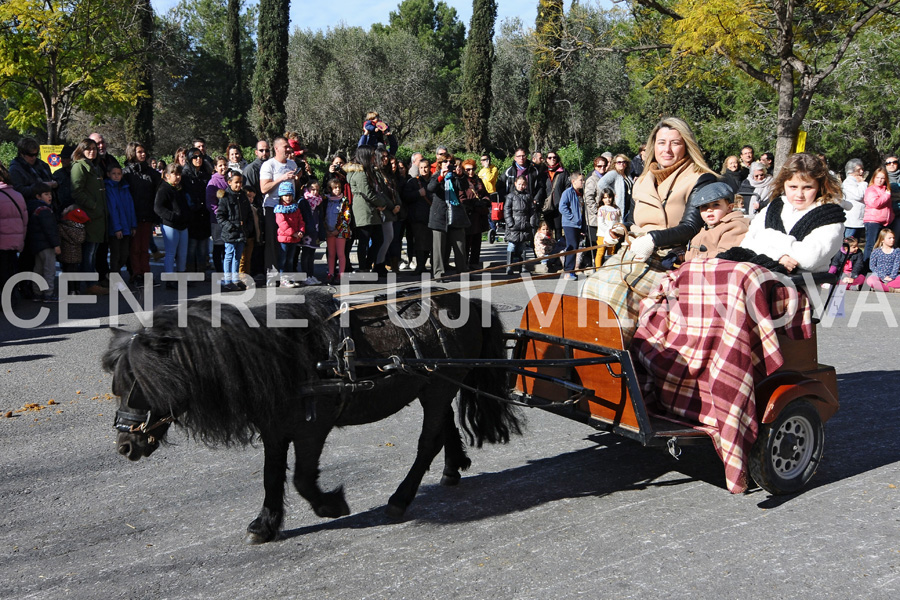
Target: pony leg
266, 526
307, 451
455, 458
431, 441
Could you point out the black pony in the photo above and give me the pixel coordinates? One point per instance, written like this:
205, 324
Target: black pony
228, 382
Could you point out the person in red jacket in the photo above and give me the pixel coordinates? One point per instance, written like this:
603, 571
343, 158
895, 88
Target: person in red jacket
290, 230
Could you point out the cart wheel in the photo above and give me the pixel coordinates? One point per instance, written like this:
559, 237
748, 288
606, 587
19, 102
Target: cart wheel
787, 452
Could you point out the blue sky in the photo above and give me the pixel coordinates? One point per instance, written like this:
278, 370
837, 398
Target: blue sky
363, 13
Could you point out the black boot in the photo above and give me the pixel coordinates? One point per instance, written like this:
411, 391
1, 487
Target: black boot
509, 260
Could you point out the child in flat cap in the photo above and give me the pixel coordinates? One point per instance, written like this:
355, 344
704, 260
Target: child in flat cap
723, 227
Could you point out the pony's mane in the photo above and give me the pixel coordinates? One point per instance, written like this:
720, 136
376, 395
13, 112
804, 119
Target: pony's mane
223, 380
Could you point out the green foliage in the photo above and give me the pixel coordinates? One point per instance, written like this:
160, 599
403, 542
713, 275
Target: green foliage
188, 81
58, 57
8, 152
270, 80
139, 121
340, 75
544, 79
508, 125
435, 25
479, 58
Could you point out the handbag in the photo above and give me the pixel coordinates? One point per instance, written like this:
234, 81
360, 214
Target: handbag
457, 217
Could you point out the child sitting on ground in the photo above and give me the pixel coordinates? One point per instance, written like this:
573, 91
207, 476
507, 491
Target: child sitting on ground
849, 263
884, 262
545, 245
42, 240
723, 227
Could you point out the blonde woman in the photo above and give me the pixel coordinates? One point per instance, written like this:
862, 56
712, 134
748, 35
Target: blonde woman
674, 168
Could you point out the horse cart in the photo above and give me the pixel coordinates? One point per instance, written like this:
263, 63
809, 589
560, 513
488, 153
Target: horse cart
567, 356
573, 363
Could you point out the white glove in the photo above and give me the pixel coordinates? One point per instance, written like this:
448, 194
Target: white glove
642, 247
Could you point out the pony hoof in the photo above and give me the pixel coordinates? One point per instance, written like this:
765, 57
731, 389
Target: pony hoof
254, 539
333, 511
333, 505
394, 512
450, 480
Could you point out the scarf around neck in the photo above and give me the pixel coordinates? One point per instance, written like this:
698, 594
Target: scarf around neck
661, 174
450, 191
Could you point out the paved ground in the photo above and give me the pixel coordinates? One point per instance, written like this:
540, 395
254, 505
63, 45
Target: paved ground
561, 512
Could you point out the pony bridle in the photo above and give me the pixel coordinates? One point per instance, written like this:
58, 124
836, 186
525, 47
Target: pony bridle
132, 420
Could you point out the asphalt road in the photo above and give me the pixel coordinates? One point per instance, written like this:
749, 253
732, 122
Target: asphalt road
560, 512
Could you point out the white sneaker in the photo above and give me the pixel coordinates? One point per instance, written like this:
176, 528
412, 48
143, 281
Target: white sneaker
288, 283
311, 281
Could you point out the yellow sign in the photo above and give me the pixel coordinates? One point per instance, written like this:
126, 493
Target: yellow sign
50, 155
800, 144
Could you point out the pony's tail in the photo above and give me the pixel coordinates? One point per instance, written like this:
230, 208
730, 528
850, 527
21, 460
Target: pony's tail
485, 419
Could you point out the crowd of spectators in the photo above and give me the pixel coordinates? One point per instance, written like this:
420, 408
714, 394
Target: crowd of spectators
223, 214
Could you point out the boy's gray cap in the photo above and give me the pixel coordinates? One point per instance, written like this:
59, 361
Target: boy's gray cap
711, 193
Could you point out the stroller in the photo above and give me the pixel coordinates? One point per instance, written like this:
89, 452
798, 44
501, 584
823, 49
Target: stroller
498, 222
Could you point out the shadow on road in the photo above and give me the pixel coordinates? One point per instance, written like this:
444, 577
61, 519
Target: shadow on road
856, 442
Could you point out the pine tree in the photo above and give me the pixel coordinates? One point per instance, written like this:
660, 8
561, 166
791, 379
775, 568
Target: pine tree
479, 58
139, 122
270, 80
544, 69
234, 122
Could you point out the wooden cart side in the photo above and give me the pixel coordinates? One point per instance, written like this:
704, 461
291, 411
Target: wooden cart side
561, 326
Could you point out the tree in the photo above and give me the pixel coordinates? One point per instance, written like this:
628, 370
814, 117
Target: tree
333, 86
59, 56
234, 122
435, 25
512, 63
270, 80
544, 69
476, 73
139, 123
195, 77
790, 46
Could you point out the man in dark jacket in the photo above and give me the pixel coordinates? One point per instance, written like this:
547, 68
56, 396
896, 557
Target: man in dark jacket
522, 166
418, 203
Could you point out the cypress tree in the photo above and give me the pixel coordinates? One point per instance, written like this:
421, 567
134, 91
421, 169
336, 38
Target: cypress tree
270, 80
139, 123
544, 78
479, 58
233, 123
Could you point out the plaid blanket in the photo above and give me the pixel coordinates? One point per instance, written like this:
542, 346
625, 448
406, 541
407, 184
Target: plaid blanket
706, 336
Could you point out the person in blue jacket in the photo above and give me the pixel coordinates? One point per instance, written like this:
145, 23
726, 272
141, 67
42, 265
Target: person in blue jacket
122, 221
572, 216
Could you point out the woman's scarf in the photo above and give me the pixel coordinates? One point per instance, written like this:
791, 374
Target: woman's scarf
762, 190
661, 174
450, 191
